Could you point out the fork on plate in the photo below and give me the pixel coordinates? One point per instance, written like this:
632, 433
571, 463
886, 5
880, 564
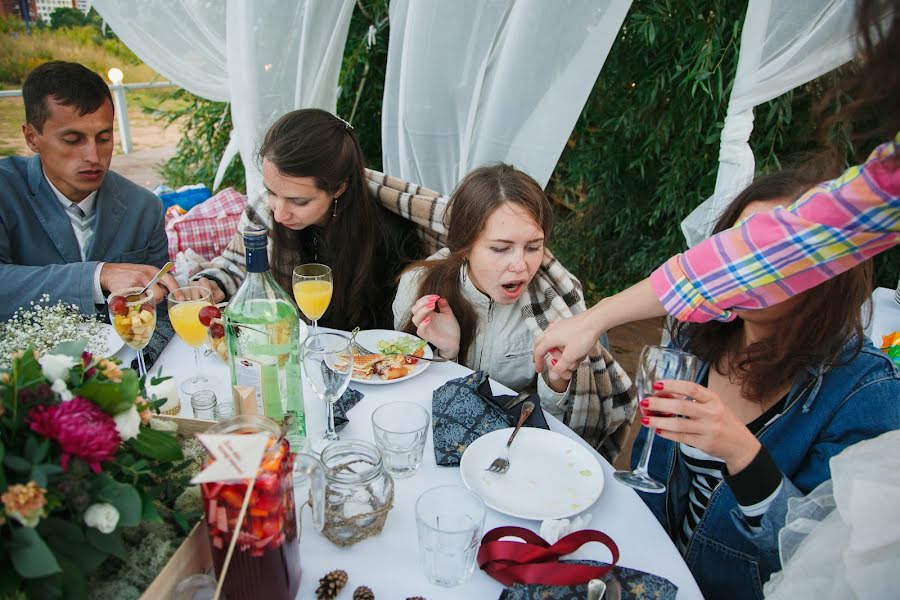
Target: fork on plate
501, 464
359, 349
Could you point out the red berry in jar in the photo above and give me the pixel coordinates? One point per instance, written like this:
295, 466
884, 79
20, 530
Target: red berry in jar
208, 313
118, 306
217, 330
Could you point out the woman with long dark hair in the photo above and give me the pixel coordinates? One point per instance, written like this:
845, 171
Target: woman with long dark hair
780, 391
317, 209
483, 298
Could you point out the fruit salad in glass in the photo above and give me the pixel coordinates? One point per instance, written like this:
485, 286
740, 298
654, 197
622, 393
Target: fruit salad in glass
133, 316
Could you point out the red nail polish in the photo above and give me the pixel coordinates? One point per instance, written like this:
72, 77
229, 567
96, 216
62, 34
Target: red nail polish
426, 321
645, 403
554, 349
659, 431
645, 420
657, 385
553, 361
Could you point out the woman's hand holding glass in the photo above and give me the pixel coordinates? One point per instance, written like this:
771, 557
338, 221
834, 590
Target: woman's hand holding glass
708, 424
441, 329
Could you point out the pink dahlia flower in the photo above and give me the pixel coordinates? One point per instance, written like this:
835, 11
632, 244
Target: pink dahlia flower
80, 428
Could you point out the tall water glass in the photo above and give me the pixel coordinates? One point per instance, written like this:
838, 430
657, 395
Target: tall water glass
328, 365
449, 521
656, 363
401, 429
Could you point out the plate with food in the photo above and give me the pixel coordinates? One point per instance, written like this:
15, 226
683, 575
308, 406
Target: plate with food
386, 363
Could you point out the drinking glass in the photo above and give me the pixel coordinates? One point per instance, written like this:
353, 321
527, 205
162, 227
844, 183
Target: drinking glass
133, 316
449, 521
312, 290
656, 363
401, 429
328, 365
185, 305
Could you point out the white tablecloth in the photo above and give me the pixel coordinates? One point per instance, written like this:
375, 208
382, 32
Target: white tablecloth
388, 562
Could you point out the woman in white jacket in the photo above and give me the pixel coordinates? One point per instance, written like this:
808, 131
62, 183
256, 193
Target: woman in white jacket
483, 298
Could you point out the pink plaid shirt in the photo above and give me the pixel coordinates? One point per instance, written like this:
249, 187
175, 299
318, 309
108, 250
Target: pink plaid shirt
773, 256
208, 227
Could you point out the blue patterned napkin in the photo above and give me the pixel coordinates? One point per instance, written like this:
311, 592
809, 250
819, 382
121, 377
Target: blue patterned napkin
348, 400
464, 409
633, 585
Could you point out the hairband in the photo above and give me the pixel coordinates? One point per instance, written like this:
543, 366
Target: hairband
347, 124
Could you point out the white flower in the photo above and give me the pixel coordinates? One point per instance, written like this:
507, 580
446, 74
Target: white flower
59, 386
56, 366
128, 423
103, 517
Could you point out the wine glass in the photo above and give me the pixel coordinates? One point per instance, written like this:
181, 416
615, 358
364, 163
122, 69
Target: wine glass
656, 363
185, 305
312, 290
133, 316
328, 365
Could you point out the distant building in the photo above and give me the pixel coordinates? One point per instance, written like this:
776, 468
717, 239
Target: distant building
13, 8
46, 7
84, 5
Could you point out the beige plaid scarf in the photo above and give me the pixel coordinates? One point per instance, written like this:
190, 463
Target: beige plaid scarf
601, 402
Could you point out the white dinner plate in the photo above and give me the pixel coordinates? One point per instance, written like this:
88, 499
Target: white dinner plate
108, 339
550, 475
369, 339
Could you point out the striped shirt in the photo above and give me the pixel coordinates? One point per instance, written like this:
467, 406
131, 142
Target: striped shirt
754, 488
775, 255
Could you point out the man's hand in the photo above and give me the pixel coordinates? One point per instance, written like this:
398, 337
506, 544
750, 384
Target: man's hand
118, 276
217, 294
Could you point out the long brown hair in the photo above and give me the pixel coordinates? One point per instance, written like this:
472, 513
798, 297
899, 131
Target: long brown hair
314, 143
475, 199
825, 317
875, 86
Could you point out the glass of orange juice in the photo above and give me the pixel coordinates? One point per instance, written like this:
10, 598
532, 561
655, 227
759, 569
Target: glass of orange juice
186, 306
312, 290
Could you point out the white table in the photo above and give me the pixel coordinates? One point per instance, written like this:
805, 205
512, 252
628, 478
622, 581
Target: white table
388, 562
885, 315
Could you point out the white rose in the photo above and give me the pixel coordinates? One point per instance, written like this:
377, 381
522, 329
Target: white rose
103, 517
128, 423
56, 366
59, 386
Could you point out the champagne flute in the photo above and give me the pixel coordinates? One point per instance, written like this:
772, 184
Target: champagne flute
328, 365
185, 305
133, 316
312, 289
656, 363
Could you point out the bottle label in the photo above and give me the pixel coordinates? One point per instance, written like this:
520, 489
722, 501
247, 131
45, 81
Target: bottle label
248, 372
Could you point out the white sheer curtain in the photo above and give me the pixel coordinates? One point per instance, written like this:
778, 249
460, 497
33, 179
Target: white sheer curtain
475, 81
265, 57
783, 45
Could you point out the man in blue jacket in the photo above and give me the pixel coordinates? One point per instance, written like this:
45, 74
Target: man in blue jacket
69, 227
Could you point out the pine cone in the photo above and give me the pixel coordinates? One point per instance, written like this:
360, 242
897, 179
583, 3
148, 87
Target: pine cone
331, 585
363, 593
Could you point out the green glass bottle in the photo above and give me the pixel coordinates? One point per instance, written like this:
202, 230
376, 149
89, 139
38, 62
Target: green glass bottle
262, 330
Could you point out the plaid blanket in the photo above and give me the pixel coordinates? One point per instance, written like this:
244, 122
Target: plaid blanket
601, 402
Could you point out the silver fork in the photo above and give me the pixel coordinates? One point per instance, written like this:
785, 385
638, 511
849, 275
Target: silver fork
359, 349
500, 464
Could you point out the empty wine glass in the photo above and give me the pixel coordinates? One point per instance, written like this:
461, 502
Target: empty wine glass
328, 365
656, 363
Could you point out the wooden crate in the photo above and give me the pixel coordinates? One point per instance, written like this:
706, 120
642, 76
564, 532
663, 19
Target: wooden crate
193, 555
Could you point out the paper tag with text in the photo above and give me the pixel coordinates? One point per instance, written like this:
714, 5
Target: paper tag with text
235, 456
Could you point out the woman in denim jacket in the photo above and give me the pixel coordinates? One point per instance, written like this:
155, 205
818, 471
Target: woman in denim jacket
780, 391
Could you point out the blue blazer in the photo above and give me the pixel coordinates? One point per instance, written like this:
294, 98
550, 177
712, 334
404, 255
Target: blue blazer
39, 252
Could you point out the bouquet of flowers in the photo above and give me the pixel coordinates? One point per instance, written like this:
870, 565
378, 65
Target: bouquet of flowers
79, 464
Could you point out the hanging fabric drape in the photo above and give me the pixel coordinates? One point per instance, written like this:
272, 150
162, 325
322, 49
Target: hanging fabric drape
783, 46
475, 81
265, 57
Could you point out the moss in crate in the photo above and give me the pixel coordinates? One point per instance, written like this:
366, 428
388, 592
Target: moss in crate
190, 500
150, 546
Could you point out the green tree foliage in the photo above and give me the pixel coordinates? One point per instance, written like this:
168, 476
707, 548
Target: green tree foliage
68, 17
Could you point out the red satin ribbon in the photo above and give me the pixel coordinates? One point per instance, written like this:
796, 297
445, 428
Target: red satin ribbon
537, 562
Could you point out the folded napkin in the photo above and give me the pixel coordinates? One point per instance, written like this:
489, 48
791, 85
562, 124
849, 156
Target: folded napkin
342, 406
633, 585
464, 409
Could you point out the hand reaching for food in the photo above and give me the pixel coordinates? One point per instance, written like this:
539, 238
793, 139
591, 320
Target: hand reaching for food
436, 323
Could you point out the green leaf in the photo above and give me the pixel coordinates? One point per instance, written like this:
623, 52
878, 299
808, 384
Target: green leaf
2, 473
17, 463
73, 580
67, 540
70, 348
126, 500
148, 510
110, 543
158, 445
30, 555
36, 449
9, 579
112, 397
